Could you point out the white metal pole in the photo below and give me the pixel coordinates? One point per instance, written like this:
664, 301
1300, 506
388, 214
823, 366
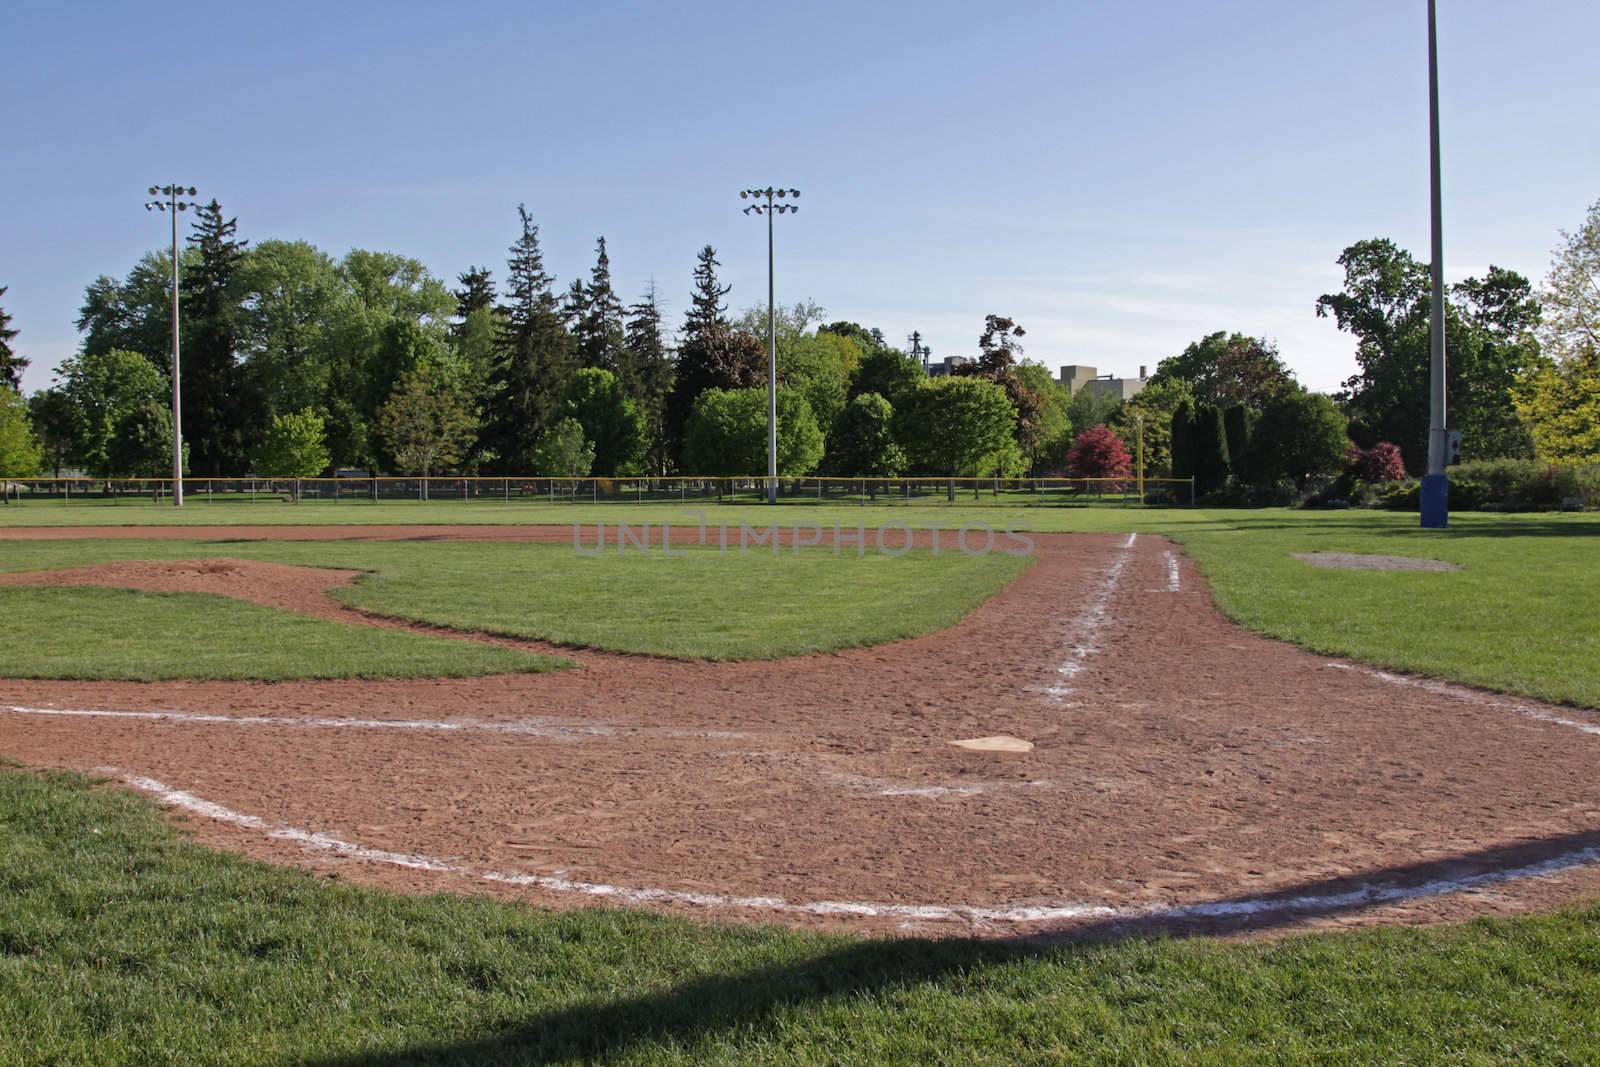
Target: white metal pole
177, 403
1436, 489
772, 365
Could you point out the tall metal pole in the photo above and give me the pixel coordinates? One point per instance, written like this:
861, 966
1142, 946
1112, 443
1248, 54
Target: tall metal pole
772, 368
177, 401
1436, 485
764, 206
173, 205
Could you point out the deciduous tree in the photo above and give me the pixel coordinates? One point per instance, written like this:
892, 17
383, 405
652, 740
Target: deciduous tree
1098, 453
887, 372
100, 389
425, 423
1227, 369
563, 452
294, 446
1299, 436
610, 421
953, 426
1571, 295
862, 444
20, 456
727, 433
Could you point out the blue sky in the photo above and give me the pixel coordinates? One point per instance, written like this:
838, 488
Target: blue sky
1120, 178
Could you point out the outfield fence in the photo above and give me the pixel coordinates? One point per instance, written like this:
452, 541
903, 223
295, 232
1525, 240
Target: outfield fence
683, 489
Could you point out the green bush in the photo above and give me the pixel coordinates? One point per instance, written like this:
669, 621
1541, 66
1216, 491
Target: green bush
1504, 485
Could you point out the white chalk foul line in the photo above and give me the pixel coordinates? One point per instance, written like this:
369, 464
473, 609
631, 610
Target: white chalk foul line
1364, 895
1471, 696
523, 727
1088, 625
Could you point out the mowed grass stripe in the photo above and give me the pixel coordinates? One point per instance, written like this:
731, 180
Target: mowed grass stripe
83, 633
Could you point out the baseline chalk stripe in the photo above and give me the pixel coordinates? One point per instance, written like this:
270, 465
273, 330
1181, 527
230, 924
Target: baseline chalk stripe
1089, 624
534, 728
1363, 895
1471, 696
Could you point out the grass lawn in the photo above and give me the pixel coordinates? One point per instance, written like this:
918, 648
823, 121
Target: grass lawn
701, 604
1521, 616
121, 634
122, 943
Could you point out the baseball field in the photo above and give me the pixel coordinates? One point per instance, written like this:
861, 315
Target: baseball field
417, 782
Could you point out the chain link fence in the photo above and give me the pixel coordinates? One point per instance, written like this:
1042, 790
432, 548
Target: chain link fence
1010, 492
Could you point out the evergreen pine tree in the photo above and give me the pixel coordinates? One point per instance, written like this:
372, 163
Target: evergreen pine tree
652, 375
533, 361
11, 364
599, 333
1210, 449
707, 311
1183, 444
221, 408
476, 292
711, 353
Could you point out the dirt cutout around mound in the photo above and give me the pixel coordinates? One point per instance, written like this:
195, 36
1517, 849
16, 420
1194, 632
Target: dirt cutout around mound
1352, 561
1185, 773
274, 585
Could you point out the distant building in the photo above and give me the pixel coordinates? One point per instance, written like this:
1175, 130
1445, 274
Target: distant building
947, 366
1078, 378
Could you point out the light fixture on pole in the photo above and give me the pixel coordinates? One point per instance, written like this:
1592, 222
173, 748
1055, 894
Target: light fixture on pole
1436, 484
172, 205
764, 205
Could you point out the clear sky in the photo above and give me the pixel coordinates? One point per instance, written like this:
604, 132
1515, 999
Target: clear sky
1121, 178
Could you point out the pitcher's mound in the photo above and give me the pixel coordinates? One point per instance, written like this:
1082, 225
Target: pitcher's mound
1001, 743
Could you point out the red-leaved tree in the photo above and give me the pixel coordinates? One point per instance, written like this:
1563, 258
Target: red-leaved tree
1380, 463
1098, 453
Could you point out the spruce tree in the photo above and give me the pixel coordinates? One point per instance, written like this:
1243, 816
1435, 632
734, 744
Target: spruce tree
652, 375
707, 311
599, 333
11, 364
711, 353
221, 411
533, 361
476, 292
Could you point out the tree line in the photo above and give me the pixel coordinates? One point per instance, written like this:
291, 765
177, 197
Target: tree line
296, 363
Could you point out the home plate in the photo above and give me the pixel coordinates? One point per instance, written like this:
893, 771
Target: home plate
1001, 743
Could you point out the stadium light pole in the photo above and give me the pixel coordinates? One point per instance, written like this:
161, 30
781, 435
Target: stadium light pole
172, 205
1436, 485
765, 206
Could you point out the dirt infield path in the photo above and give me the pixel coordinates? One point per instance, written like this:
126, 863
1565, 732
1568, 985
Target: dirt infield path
1184, 771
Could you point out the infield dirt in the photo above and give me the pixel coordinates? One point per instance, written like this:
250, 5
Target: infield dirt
1178, 760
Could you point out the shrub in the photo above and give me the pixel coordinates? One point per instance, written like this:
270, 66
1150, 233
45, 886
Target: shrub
1505, 485
1380, 463
1098, 453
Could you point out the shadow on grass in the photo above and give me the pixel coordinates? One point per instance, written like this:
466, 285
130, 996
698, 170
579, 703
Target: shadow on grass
727, 1003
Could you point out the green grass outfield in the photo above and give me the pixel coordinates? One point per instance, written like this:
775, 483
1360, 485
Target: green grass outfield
697, 604
121, 943
124, 635
1520, 617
